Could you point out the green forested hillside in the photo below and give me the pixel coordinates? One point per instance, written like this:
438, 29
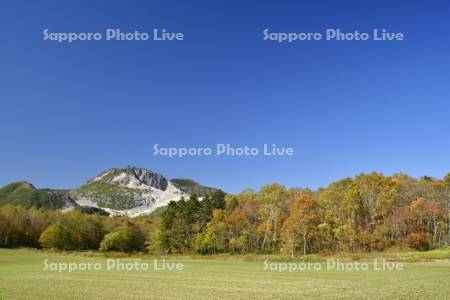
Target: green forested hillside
191, 187
25, 194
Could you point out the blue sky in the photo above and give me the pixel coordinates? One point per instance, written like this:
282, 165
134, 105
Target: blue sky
69, 111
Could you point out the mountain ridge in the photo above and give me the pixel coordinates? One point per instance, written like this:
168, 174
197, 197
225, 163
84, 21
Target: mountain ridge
130, 191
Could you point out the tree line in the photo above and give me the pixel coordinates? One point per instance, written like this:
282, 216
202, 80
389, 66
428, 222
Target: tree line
369, 212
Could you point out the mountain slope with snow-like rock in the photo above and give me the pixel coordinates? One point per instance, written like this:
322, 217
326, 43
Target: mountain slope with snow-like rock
130, 191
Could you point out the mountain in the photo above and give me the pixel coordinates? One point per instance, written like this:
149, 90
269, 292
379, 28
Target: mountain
127, 191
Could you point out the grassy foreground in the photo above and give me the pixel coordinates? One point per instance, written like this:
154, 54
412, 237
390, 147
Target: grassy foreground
22, 276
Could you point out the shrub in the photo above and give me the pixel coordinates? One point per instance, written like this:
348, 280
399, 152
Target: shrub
73, 230
126, 238
417, 241
56, 236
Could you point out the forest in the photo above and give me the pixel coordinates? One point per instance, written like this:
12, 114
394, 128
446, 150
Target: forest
370, 212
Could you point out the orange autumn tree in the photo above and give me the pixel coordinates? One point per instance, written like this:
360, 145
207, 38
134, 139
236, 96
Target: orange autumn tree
425, 227
300, 229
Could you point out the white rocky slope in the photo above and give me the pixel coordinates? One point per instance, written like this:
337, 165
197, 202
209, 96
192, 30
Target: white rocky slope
131, 192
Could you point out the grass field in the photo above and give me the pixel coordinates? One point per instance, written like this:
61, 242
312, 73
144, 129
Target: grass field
22, 277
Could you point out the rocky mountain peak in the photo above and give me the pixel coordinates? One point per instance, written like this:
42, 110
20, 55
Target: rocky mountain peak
133, 177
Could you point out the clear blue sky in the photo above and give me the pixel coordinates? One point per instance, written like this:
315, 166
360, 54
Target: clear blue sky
68, 111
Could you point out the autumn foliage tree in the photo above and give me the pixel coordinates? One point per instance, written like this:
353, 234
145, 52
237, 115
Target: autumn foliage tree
300, 229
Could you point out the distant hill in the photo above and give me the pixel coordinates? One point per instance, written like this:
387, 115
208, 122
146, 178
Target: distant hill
190, 187
25, 194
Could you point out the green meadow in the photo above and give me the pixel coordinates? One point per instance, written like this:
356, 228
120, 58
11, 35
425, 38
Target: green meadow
22, 276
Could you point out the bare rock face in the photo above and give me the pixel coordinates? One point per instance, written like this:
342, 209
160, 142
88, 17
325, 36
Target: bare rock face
133, 178
150, 178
